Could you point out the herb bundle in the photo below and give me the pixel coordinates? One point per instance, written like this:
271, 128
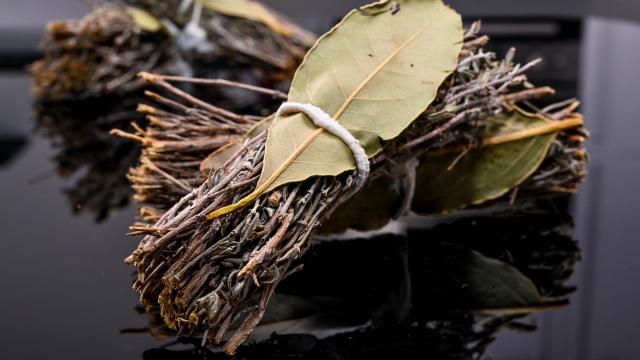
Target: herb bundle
98, 55
212, 261
102, 53
86, 85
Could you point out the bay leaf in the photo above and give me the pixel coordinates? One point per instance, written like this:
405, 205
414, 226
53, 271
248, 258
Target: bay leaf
220, 156
374, 72
370, 209
484, 173
216, 159
248, 9
144, 20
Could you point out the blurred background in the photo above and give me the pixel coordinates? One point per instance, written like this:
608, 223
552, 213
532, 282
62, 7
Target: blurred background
591, 50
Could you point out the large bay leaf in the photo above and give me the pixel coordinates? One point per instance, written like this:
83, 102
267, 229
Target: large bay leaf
248, 9
374, 72
484, 173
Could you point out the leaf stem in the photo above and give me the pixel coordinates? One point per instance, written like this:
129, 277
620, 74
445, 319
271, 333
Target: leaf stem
554, 126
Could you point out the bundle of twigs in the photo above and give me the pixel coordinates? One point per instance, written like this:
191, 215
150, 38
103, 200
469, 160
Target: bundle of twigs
98, 55
102, 53
177, 140
86, 85
214, 275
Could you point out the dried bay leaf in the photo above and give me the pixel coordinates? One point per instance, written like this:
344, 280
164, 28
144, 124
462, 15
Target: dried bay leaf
370, 209
376, 204
216, 159
375, 72
248, 9
485, 173
220, 156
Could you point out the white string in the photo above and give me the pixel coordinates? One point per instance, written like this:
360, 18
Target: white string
323, 120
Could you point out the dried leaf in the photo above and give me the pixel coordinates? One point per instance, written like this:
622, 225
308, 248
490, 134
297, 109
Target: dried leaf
375, 72
216, 159
487, 172
370, 209
250, 10
376, 204
144, 20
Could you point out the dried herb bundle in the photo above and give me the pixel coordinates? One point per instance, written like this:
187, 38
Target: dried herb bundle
212, 275
102, 53
86, 85
242, 27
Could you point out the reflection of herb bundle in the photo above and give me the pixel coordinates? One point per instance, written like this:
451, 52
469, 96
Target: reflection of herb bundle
86, 153
435, 114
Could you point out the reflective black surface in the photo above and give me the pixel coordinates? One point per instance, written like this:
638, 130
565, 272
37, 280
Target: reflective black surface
66, 292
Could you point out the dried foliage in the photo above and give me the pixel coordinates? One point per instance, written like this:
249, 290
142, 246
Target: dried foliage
212, 275
86, 84
102, 53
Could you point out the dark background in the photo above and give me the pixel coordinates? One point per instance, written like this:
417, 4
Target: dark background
64, 290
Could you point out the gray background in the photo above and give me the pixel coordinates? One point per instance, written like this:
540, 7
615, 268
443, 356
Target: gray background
26, 18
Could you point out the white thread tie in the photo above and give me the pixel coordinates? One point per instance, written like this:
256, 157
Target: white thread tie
323, 120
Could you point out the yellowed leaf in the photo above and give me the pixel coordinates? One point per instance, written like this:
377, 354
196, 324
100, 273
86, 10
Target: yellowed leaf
248, 9
144, 20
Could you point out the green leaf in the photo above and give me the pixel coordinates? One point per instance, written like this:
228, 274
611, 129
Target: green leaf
484, 173
375, 72
144, 20
247, 9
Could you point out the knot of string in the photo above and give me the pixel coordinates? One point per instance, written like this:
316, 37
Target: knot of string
323, 120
